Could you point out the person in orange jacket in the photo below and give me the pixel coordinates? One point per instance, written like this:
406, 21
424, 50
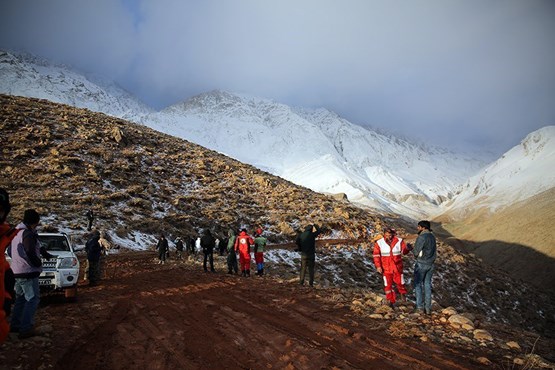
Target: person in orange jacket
243, 244
388, 251
7, 233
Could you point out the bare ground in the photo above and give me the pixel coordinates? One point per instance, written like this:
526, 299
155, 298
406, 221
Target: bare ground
175, 316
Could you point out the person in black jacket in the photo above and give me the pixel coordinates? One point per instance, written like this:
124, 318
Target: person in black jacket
163, 249
179, 247
306, 243
207, 243
94, 252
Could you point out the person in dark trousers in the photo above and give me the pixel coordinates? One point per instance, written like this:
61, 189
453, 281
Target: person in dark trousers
25, 251
179, 247
192, 245
232, 265
222, 246
94, 253
259, 245
306, 243
163, 249
90, 217
207, 243
425, 252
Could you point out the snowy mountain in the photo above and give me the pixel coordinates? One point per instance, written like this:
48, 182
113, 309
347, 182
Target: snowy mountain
30, 76
314, 148
522, 172
319, 150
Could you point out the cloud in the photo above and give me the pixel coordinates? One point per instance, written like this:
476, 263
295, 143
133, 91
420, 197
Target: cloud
456, 73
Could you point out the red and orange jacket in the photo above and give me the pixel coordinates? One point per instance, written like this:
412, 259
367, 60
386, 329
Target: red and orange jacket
243, 243
7, 233
389, 256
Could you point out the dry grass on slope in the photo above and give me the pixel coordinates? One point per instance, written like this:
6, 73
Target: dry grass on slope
63, 160
518, 239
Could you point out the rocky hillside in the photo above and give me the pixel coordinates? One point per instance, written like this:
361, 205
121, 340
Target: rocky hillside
63, 161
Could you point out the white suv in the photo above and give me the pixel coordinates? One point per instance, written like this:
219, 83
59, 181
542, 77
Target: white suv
62, 272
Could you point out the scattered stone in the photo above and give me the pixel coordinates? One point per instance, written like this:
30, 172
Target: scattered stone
376, 316
449, 311
484, 361
482, 335
459, 321
518, 361
513, 345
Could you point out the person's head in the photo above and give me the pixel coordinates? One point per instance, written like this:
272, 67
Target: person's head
258, 232
31, 218
308, 227
389, 233
5, 205
244, 230
424, 225
207, 232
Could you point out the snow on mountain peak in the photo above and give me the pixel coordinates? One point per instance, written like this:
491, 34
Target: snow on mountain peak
523, 171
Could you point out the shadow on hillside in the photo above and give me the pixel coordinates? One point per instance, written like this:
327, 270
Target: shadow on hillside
517, 260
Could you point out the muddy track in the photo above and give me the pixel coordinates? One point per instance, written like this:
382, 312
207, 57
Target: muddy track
174, 316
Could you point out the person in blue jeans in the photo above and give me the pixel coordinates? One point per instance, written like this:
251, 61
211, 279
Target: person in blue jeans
26, 264
425, 252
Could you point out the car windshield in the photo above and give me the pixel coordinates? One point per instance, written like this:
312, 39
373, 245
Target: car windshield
54, 242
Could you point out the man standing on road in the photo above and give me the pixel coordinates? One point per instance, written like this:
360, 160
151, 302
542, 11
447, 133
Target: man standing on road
231, 255
259, 245
425, 252
306, 243
207, 243
25, 252
163, 249
94, 253
388, 252
243, 244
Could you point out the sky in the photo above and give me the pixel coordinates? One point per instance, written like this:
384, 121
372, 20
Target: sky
456, 73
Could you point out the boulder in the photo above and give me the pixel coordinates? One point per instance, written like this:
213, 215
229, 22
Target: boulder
460, 321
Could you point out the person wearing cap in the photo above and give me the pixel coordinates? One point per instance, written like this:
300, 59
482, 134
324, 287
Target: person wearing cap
259, 245
425, 252
25, 251
388, 251
306, 243
7, 233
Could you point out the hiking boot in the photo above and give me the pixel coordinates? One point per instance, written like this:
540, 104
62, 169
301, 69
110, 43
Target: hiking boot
428, 312
28, 334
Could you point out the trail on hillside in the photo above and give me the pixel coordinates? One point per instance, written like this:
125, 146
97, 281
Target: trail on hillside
175, 316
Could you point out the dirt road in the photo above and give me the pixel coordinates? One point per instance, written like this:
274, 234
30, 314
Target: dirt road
175, 316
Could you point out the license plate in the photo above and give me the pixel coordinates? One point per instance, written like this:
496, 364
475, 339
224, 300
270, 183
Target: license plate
45, 282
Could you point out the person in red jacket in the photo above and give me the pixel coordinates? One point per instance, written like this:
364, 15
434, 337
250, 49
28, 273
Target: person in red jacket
243, 244
7, 233
388, 252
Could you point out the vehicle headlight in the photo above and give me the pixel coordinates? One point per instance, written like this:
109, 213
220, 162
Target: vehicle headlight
68, 262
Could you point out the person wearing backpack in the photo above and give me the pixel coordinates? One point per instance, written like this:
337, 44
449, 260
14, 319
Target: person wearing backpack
425, 252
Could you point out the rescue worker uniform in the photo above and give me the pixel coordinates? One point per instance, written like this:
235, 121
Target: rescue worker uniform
243, 243
388, 257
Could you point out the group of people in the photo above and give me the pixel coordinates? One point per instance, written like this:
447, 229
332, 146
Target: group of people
387, 254
19, 282
239, 244
388, 250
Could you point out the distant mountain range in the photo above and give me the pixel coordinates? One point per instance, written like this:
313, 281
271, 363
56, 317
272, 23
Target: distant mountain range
313, 148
